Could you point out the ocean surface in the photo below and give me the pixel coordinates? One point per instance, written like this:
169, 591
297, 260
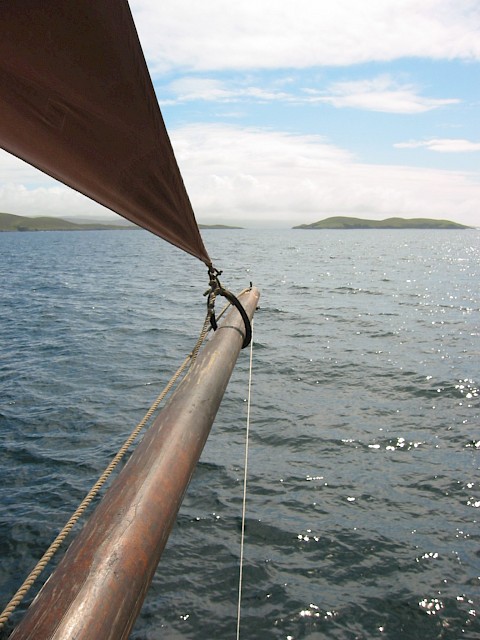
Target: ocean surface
363, 494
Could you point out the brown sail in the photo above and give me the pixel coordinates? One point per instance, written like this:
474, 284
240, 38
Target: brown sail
77, 102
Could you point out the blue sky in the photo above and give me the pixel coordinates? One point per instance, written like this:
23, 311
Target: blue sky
284, 112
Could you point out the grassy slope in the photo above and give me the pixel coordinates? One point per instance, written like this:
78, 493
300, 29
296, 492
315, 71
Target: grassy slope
9, 222
342, 222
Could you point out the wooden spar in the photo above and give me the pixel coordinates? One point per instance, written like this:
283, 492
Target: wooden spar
99, 586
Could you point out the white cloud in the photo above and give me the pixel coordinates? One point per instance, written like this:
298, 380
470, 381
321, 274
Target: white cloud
442, 145
378, 94
213, 34
260, 177
26, 191
14, 170
191, 88
188, 88
382, 93
253, 176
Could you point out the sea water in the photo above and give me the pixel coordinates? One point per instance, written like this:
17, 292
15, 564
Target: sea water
363, 491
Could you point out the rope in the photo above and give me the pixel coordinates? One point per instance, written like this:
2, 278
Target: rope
244, 502
53, 548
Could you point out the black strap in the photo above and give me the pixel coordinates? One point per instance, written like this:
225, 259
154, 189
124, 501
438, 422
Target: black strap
217, 289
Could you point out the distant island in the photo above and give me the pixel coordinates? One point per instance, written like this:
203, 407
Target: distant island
342, 222
217, 226
10, 222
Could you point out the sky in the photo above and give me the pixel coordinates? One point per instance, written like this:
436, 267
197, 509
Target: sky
284, 112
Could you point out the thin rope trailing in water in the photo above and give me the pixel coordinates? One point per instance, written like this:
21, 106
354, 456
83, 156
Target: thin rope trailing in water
244, 501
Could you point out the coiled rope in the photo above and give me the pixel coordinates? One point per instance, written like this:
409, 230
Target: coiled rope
53, 548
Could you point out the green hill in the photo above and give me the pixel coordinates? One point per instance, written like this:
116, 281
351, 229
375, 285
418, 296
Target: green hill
9, 222
342, 222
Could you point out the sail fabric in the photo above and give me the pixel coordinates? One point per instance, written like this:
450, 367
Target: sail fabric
77, 102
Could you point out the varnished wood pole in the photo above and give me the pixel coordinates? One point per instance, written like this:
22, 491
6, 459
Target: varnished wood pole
98, 588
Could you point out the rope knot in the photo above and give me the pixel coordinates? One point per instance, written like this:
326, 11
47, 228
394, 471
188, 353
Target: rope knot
216, 289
